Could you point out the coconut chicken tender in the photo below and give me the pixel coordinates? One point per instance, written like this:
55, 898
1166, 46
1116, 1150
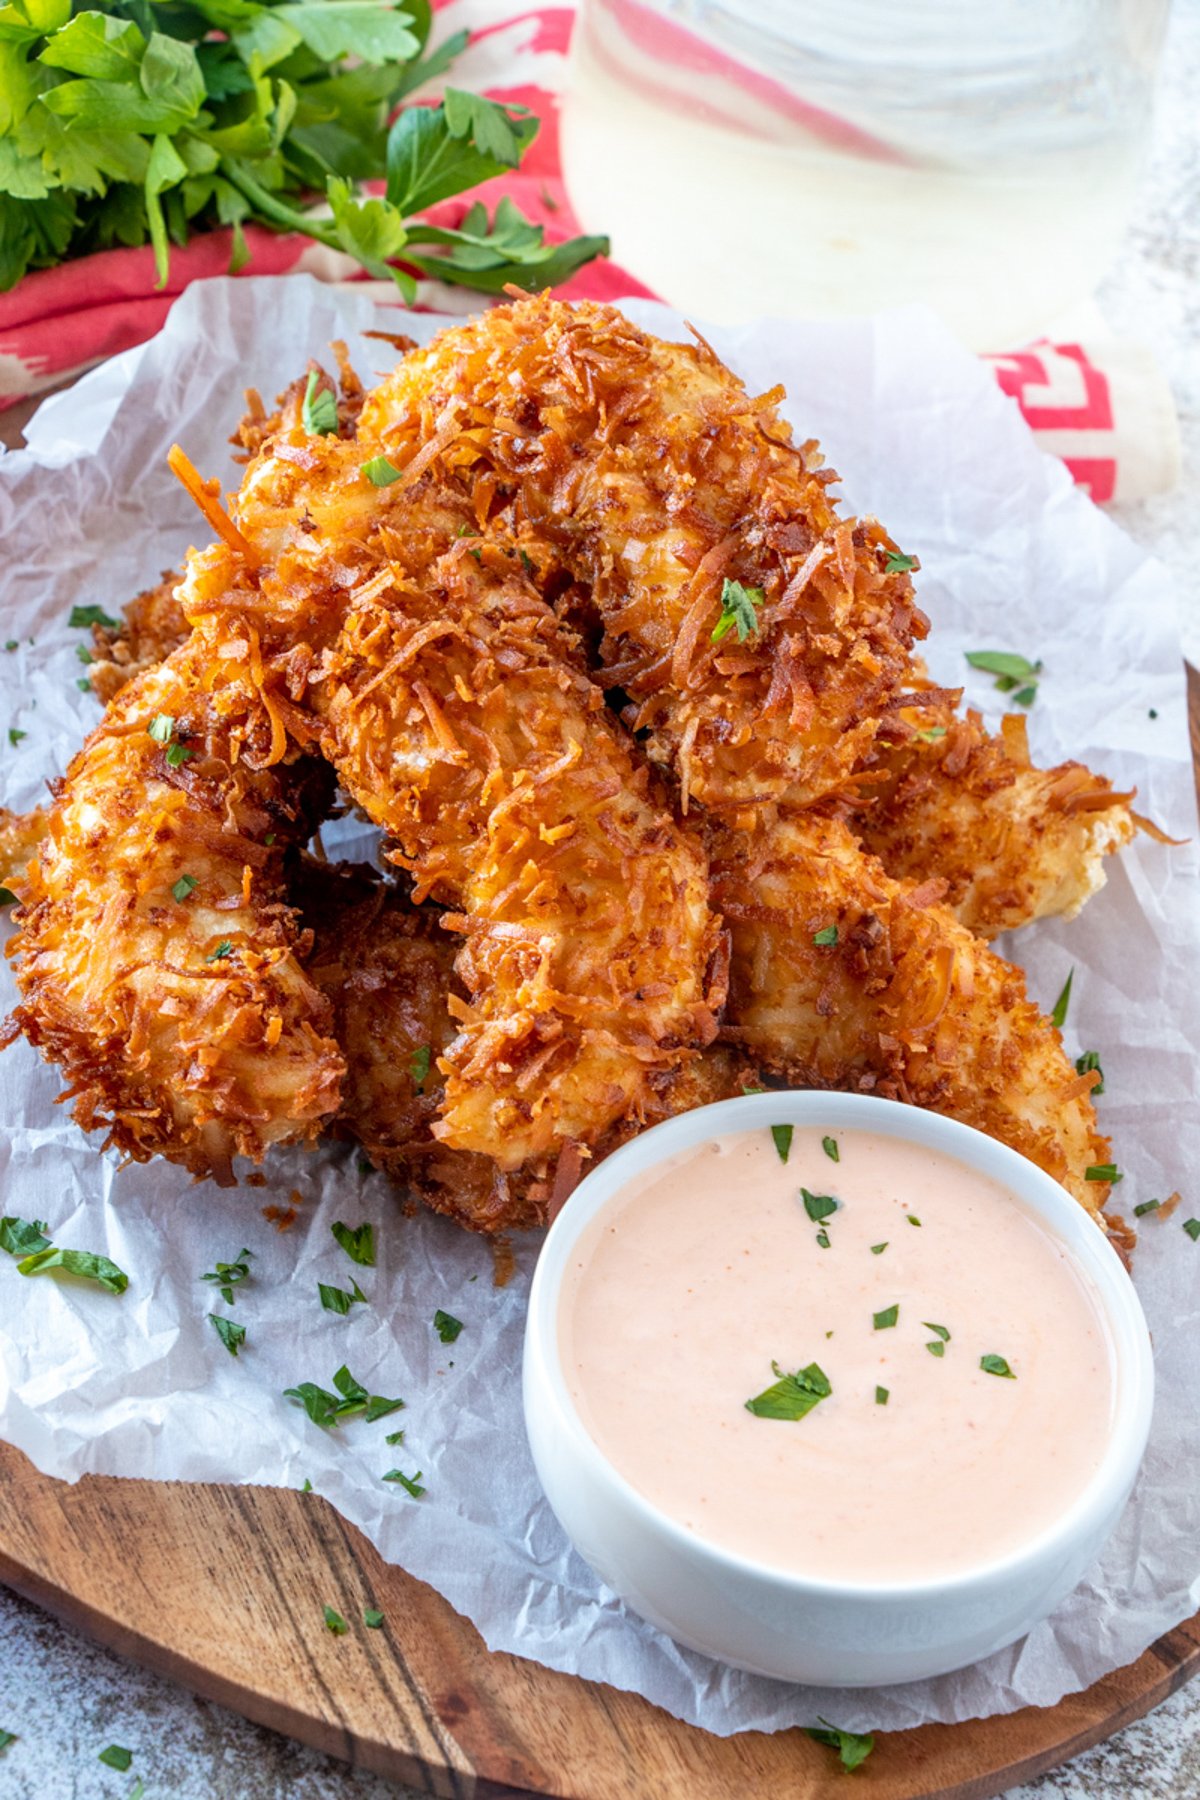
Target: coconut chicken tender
157, 959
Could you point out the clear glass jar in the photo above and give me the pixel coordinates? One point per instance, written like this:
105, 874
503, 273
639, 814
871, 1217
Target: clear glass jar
811, 159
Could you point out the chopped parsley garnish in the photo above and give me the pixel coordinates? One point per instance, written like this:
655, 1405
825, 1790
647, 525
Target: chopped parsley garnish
826, 936
936, 1347
83, 654
337, 1300
410, 1483
162, 728
183, 887
380, 472
228, 1275
1085, 1064
878, 1249
852, 1747
318, 410
394, 1437
791, 1396
231, 1334
83, 616
7, 897
7, 1738
372, 1618
12, 644
84, 1263
177, 755
335, 1623
327, 1409
782, 1135
21, 1237
899, 565
823, 1239
223, 949
446, 1326
418, 1066
883, 1321
881, 1396
306, 1486
1192, 1227
15, 736
818, 1206
912, 1218
737, 611
830, 1146
931, 733
116, 1757
358, 1243
1103, 1172
938, 1330
1058, 1017
996, 1365
84, 684
1147, 1206
1012, 672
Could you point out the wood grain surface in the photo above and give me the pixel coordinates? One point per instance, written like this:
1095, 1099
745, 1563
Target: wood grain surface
223, 1589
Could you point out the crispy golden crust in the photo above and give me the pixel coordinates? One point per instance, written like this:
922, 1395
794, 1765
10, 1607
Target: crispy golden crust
907, 1002
152, 625
452, 703
942, 797
643, 471
183, 1020
20, 835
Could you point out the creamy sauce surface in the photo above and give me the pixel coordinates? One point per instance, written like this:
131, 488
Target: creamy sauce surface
687, 1286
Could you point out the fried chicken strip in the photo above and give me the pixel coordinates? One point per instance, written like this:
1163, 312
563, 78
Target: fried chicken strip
157, 960
904, 1001
451, 701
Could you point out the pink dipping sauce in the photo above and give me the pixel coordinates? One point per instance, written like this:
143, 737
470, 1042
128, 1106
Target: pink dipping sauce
692, 1280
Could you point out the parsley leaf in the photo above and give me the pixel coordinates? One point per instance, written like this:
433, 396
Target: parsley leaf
830, 1146
228, 1275
83, 616
827, 936
411, 1483
116, 1757
1058, 1017
20, 1237
359, 1243
899, 565
853, 1748
7, 1738
791, 1396
231, 1334
372, 1618
782, 1135
337, 1300
380, 472
938, 1330
446, 1326
881, 1396
183, 887
1192, 1227
883, 1321
318, 409
1011, 672
878, 1249
996, 1365
15, 736
327, 1410
737, 611
335, 1623
223, 949
818, 1206
84, 1263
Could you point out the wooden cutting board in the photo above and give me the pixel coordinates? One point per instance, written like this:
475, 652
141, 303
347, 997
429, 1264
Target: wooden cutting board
223, 1589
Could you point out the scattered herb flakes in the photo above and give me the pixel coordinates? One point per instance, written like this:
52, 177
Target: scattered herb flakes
410, 1483
830, 1146
161, 728
380, 472
116, 1757
931, 733
881, 1396
306, 1486
1085, 1064
912, 1219
853, 1748
318, 409
337, 1300
7, 1738
81, 617
823, 1239
996, 1365
418, 1066
883, 1321
83, 654
231, 1334
1005, 664
84, 1263
12, 644
15, 736
137, 1791
1146, 1206
1103, 1172
818, 1206
899, 565
878, 1249
335, 1623
938, 1330
228, 1275
1192, 1227
1058, 1017
351, 1399
372, 1618
737, 611
183, 887
177, 755
936, 1347
84, 684
446, 1326
223, 949
791, 1397
358, 1242
827, 936
394, 1437
782, 1135
21, 1237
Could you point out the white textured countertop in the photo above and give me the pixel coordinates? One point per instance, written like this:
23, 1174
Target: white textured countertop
67, 1699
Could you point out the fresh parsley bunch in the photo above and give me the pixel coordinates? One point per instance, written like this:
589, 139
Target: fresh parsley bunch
151, 119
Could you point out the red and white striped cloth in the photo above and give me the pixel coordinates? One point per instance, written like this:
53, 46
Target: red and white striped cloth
1102, 405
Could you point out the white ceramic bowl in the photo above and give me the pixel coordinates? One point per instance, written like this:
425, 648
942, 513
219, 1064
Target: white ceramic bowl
838, 1634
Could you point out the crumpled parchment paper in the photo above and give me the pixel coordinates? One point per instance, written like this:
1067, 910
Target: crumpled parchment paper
1014, 557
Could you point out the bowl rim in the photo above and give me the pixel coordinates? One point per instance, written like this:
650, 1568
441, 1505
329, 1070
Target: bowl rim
1066, 1219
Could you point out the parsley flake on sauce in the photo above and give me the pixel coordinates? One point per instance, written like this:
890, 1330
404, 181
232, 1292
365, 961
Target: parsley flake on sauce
791, 1397
818, 1206
912, 1219
782, 1135
410, 1483
380, 472
1058, 1017
823, 1239
938, 1330
737, 611
853, 1747
878, 1249
996, 1365
358, 1243
231, 1334
881, 1396
446, 1326
830, 1146
826, 937
883, 1321
318, 410
936, 1347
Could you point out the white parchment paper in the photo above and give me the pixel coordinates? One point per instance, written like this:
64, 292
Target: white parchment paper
1014, 557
